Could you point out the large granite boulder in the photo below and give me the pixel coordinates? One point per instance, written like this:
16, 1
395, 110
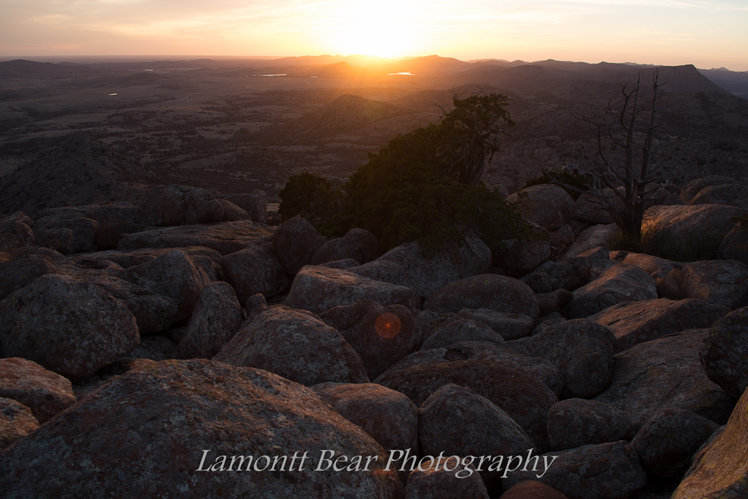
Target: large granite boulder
457, 421
645, 320
380, 335
704, 222
722, 282
20, 272
174, 275
388, 416
576, 422
295, 241
438, 479
16, 232
695, 186
735, 244
665, 373
253, 270
359, 244
173, 428
460, 330
609, 470
16, 421
318, 288
521, 257
45, 393
509, 325
591, 237
255, 204
294, 344
448, 265
582, 350
617, 284
525, 398
66, 325
216, 319
720, 468
733, 194
546, 205
485, 291
668, 440
724, 353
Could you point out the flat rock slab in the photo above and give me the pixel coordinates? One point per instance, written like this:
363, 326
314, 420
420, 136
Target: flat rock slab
646, 320
149, 432
224, 237
720, 469
318, 289
665, 373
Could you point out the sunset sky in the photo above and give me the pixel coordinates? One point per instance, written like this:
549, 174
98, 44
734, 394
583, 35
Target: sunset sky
707, 34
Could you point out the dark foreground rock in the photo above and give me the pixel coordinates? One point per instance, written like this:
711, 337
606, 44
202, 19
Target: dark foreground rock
724, 353
66, 325
16, 421
150, 432
44, 392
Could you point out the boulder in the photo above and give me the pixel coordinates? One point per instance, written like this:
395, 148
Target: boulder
668, 440
698, 223
721, 282
380, 335
646, 320
231, 212
295, 241
200, 207
381, 270
16, 421
216, 319
582, 350
62, 240
724, 353
591, 237
359, 244
342, 264
224, 237
45, 393
448, 265
735, 244
617, 284
253, 270
68, 326
457, 421
509, 325
108, 233
525, 398
460, 330
162, 206
720, 468
609, 470
695, 186
444, 480
155, 348
665, 373
530, 489
657, 267
733, 194
83, 229
319, 288
174, 275
15, 274
576, 422
554, 301
15, 232
488, 291
521, 257
153, 312
388, 416
165, 429
255, 204
294, 344
546, 205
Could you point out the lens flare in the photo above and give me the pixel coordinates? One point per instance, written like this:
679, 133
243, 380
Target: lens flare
388, 325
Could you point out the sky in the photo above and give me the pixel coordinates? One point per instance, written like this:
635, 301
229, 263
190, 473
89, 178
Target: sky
664, 32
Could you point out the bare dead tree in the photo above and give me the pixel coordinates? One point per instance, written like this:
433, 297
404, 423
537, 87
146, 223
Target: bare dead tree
630, 179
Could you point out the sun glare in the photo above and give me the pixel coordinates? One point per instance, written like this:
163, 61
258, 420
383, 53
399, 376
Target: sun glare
380, 28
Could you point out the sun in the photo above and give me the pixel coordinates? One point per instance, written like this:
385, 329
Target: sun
383, 28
